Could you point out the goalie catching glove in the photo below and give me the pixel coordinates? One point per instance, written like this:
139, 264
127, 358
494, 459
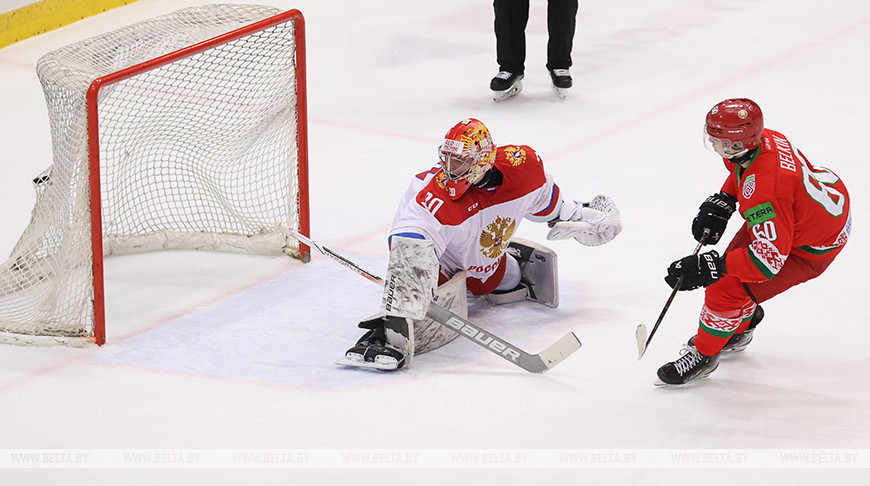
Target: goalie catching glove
696, 271
591, 223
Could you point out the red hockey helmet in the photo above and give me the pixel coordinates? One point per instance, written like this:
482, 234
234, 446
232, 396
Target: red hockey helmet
465, 155
734, 127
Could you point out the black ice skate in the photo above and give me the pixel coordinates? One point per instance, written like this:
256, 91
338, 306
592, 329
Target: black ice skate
561, 82
692, 365
505, 85
374, 350
738, 342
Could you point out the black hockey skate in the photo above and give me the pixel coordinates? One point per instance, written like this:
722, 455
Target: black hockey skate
374, 350
692, 365
738, 342
561, 82
505, 85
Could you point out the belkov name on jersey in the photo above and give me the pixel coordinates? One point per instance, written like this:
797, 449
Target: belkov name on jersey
791, 208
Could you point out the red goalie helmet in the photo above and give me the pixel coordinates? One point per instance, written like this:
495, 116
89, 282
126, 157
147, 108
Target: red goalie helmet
465, 155
734, 127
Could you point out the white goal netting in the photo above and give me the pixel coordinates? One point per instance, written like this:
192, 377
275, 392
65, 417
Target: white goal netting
195, 122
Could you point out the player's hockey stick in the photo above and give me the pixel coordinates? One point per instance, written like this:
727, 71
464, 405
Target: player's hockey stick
640, 333
533, 363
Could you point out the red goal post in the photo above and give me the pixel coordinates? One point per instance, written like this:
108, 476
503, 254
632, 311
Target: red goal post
187, 131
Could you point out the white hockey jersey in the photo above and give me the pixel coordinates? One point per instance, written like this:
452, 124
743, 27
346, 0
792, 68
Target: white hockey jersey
472, 232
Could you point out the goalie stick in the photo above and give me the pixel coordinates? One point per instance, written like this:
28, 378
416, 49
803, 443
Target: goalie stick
641, 333
533, 363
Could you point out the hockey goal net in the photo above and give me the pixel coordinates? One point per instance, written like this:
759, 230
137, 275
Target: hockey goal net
186, 131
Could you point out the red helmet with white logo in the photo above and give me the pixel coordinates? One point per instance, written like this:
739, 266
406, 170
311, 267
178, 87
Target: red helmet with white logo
734, 127
466, 154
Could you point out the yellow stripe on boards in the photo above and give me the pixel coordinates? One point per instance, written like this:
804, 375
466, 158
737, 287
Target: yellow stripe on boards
40, 17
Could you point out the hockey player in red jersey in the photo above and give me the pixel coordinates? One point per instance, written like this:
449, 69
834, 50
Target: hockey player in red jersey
454, 230
797, 221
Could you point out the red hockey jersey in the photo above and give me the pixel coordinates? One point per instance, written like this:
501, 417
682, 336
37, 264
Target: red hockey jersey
790, 207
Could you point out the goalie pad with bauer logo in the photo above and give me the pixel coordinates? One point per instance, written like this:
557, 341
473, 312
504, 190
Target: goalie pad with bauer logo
412, 276
452, 295
411, 285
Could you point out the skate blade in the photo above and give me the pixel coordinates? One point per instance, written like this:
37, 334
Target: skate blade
561, 93
358, 362
693, 381
689, 384
514, 90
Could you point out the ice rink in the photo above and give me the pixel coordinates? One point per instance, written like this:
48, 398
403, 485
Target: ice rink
218, 368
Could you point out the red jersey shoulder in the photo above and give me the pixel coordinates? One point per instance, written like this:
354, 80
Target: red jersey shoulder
521, 158
522, 169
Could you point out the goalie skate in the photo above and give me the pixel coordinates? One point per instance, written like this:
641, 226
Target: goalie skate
387, 344
357, 360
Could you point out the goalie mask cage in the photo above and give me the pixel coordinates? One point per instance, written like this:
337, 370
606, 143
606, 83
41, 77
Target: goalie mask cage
186, 131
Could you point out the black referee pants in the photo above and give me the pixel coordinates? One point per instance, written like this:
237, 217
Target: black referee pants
511, 17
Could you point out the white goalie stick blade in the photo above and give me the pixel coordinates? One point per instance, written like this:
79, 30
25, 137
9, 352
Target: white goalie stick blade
641, 334
533, 363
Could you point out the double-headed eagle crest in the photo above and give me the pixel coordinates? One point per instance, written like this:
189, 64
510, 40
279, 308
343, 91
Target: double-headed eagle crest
494, 239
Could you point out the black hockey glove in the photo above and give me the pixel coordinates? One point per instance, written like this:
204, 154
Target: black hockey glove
713, 215
696, 270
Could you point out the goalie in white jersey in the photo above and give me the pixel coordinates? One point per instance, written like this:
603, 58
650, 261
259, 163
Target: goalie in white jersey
454, 231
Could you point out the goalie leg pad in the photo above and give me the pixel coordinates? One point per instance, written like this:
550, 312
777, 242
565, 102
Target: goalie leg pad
452, 295
412, 277
540, 278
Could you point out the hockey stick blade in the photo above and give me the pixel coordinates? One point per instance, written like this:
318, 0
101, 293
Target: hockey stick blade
642, 345
533, 363
641, 334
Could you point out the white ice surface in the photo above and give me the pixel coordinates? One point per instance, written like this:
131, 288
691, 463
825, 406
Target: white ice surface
227, 352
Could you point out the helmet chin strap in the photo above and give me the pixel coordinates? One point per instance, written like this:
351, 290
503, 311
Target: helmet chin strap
737, 155
476, 179
743, 158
